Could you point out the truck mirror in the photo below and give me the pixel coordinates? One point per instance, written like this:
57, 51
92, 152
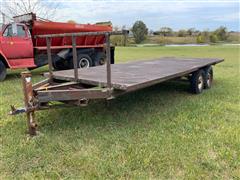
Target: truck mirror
14, 29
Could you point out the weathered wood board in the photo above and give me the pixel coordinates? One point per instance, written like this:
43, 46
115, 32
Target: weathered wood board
138, 74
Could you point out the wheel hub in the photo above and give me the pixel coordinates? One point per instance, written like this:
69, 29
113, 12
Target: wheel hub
200, 82
209, 79
102, 61
84, 63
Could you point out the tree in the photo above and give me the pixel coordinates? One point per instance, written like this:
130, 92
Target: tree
205, 34
182, 33
203, 37
39, 7
213, 38
166, 31
156, 33
139, 31
191, 31
221, 33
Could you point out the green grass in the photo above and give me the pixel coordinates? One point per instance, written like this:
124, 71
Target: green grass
159, 132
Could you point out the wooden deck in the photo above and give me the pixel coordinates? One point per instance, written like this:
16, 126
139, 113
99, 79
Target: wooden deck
137, 74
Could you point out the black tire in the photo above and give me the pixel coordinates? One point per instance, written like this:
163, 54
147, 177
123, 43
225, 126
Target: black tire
84, 61
60, 63
197, 82
3, 71
100, 59
208, 77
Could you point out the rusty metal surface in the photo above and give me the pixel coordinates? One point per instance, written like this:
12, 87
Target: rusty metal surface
41, 83
108, 64
83, 34
71, 94
56, 86
138, 74
75, 63
29, 102
50, 68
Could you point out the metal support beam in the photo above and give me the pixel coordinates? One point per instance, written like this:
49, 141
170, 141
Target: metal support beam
69, 95
48, 40
108, 64
82, 34
75, 64
28, 100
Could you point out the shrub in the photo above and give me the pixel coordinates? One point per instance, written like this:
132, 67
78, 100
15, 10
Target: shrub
200, 39
166, 31
182, 33
119, 40
213, 38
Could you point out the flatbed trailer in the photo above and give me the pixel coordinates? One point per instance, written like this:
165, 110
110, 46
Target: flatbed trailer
78, 86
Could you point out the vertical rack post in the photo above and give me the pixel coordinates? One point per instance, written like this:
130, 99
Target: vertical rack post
74, 58
108, 55
48, 40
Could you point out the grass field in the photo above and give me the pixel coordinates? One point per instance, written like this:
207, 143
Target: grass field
159, 132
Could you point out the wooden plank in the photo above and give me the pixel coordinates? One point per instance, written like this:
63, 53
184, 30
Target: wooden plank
138, 74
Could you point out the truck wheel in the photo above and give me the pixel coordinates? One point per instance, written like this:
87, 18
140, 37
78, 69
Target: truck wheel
197, 82
3, 71
61, 65
100, 59
208, 77
84, 61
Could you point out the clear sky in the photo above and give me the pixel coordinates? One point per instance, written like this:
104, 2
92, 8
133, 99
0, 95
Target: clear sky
177, 14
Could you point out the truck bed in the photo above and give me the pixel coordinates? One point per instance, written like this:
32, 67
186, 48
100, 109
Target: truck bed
138, 74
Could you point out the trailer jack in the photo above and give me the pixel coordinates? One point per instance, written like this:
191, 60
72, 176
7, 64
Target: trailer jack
29, 104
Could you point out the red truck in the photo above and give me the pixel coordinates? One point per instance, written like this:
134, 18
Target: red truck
19, 48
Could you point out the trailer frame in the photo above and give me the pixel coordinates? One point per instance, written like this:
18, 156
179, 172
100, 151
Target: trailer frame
74, 92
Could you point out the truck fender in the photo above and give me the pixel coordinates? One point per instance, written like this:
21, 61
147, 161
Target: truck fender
63, 53
4, 60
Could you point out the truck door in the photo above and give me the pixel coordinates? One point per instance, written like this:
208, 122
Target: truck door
17, 42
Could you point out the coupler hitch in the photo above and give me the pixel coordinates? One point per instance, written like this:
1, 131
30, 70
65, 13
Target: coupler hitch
15, 111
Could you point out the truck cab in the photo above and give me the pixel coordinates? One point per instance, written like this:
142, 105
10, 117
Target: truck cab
16, 48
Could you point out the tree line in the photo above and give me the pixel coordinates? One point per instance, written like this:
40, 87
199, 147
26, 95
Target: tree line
140, 32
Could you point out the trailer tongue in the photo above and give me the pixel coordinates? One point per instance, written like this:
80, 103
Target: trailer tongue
78, 86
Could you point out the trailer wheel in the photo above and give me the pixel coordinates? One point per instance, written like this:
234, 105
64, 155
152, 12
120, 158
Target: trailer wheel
197, 82
3, 71
84, 61
208, 77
